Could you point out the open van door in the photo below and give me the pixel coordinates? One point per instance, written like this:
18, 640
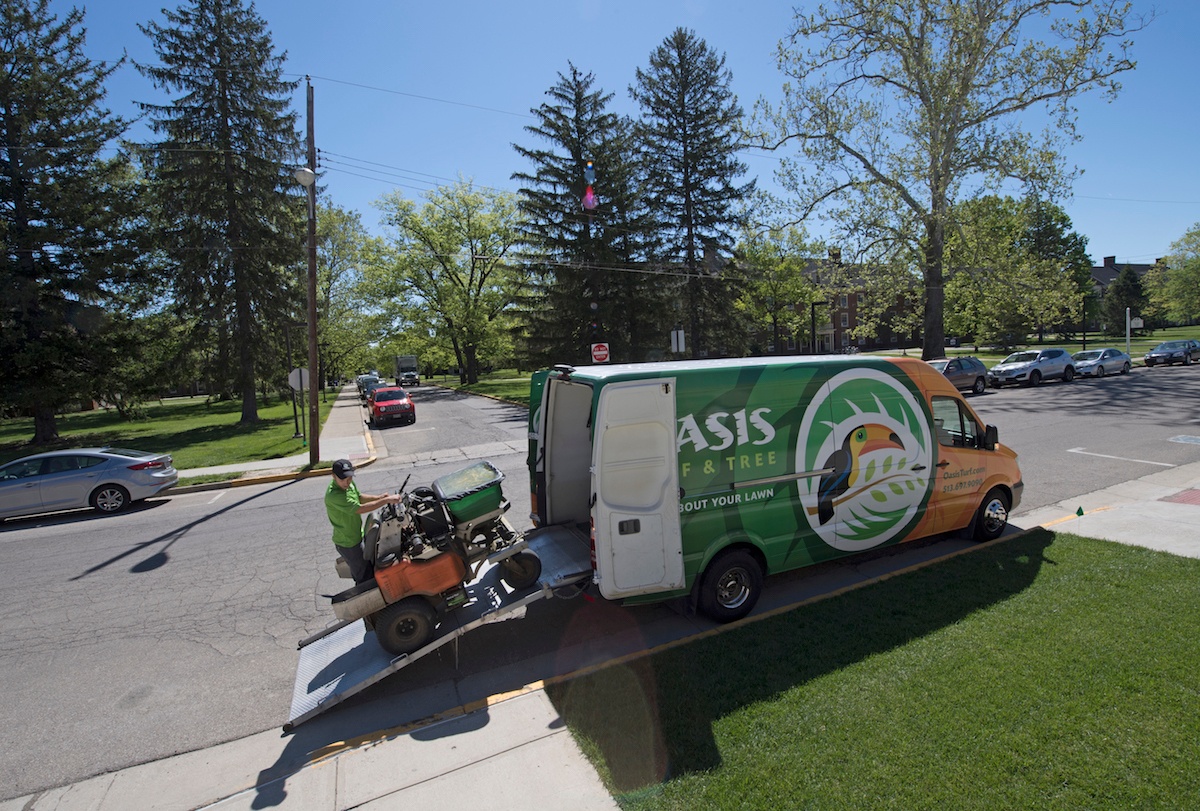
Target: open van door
635, 482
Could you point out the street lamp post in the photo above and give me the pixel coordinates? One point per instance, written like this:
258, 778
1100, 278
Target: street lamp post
307, 176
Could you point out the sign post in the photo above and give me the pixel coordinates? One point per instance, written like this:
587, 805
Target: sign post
298, 380
678, 345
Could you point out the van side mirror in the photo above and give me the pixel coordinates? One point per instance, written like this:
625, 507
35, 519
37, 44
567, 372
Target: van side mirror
991, 437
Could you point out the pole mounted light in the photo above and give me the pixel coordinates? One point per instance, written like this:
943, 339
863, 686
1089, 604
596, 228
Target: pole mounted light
306, 176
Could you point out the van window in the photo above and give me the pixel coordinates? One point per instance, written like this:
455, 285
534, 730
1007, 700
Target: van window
955, 425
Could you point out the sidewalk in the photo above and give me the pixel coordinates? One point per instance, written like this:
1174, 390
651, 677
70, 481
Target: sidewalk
513, 751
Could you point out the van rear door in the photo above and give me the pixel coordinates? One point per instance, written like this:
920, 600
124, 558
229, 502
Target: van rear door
636, 485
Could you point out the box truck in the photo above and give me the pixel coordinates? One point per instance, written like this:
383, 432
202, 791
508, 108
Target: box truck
699, 478
407, 372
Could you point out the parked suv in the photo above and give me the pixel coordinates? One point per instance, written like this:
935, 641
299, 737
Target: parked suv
1032, 366
966, 374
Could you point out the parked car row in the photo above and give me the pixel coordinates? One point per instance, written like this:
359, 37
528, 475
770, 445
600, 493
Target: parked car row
1030, 367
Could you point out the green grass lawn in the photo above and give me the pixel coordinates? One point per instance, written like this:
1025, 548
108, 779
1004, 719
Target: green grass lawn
508, 385
1048, 671
196, 433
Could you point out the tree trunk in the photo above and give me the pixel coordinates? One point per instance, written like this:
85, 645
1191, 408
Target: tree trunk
472, 370
45, 427
933, 345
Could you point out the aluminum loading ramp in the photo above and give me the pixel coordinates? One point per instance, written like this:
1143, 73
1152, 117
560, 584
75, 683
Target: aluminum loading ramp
345, 662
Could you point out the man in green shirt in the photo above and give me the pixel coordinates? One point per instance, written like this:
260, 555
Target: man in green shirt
345, 507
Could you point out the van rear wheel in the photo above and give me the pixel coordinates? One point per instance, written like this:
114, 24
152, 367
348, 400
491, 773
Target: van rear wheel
992, 517
731, 586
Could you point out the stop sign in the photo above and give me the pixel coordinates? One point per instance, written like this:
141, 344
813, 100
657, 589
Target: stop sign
599, 353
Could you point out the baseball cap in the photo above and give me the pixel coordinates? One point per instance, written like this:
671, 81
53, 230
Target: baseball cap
343, 469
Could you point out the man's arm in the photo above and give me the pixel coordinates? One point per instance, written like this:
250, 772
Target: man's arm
368, 503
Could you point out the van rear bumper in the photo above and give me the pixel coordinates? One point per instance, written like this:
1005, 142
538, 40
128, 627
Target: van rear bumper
1017, 489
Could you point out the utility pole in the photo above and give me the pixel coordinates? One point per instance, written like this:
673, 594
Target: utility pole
314, 413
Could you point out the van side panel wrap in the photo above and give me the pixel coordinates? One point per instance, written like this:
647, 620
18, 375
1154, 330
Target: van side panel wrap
843, 443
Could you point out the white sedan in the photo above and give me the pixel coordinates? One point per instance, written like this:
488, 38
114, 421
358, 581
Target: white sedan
1101, 362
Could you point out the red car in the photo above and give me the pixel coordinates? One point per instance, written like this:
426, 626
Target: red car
391, 404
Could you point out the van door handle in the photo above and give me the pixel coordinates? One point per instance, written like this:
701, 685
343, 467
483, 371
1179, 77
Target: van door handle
918, 467
944, 463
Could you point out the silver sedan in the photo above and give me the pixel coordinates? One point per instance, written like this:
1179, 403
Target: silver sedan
106, 479
1101, 362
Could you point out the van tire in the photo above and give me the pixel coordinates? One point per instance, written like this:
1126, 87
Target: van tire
521, 570
731, 586
992, 517
405, 626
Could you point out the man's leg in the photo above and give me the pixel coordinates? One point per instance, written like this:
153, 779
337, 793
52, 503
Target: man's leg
359, 569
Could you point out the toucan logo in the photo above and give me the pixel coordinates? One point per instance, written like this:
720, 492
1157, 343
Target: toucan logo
868, 434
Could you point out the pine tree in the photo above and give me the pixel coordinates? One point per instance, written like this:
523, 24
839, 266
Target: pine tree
67, 211
591, 267
222, 182
689, 134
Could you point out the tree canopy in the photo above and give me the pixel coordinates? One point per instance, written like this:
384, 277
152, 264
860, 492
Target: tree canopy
228, 209
690, 131
73, 267
451, 258
900, 110
589, 265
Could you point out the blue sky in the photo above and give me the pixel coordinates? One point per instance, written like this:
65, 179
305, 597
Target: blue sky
409, 95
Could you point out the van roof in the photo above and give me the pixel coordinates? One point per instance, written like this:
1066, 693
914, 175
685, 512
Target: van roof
667, 368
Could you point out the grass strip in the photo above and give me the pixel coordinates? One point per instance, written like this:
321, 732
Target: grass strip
1048, 671
196, 432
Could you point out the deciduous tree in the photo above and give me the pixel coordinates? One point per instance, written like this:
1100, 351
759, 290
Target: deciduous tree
1182, 288
452, 259
773, 264
1015, 267
899, 110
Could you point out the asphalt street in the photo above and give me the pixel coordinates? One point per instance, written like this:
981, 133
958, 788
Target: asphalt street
172, 627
